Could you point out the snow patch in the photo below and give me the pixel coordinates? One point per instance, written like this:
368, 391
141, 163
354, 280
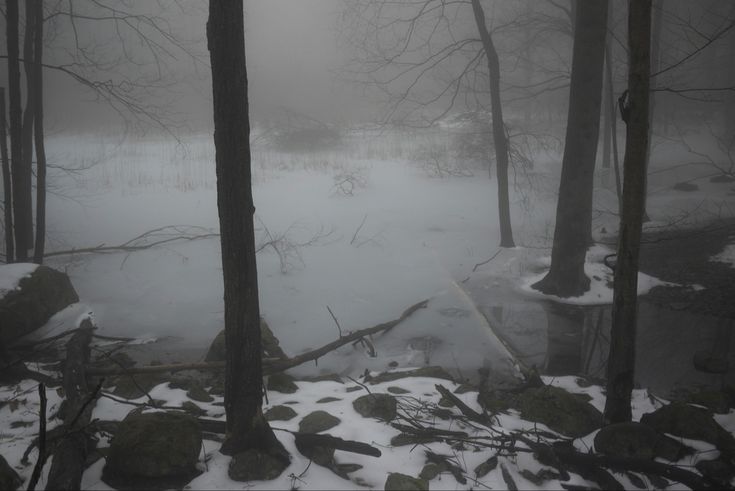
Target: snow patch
11, 274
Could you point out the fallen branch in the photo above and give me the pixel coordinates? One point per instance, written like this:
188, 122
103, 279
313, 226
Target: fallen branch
133, 244
270, 365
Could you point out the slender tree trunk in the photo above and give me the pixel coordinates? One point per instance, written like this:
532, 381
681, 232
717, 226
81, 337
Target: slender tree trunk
500, 139
7, 185
621, 361
38, 249
611, 114
26, 193
16, 130
246, 426
566, 277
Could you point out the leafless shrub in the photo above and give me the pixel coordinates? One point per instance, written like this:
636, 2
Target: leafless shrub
348, 181
286, 247
437, 162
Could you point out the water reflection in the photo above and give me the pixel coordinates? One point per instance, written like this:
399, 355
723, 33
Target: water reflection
675, 348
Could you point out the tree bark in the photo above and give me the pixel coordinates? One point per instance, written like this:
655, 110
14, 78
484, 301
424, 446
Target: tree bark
7, 185
20, 203
500, 139
621, 361
246, 426
566, 277
40, 245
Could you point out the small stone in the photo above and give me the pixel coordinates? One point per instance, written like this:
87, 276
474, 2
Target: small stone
402, 482
353, 388
281, 382
325, 400
254, 465
280, 413
431, 470
487, 466
397, 390
380, 406
197, 392
193, 409
318, 421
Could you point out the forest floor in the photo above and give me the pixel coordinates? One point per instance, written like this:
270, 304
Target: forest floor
684, 257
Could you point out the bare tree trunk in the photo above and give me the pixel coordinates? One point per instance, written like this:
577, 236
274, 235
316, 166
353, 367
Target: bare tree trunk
246, 426
611, 115
20, 221
621, 361
38, 249
499, 137
566, 276
26, 192
7, 186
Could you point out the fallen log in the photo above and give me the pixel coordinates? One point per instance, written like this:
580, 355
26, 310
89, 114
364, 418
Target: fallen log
70, 454
270, 365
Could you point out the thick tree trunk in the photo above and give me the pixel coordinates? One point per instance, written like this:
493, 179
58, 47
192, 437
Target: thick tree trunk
566, 277
25, 226
612, 116
621, 361
246, 426
499, 138
38, 249
20, 202
7, 185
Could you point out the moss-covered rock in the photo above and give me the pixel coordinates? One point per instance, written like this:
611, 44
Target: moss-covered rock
270, 343
380, 406
280, 413
193, 409
693, 422
402, 482
9, 479
38, 297
717, 401
638, 441
255, 465
282, 382
153, 450
397, 390
327, 377
568, 414
434, 372
325, 400
317, 421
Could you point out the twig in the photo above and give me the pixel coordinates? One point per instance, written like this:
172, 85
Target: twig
41, 460
354, 236
339, 328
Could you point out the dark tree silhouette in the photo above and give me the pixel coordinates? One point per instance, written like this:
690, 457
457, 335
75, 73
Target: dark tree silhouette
247, 428
621, 362
566, 276
7, 187
36, 11
20, 176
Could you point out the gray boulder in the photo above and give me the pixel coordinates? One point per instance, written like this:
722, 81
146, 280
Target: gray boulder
638, 441
566, 413
153, 450
37, 298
